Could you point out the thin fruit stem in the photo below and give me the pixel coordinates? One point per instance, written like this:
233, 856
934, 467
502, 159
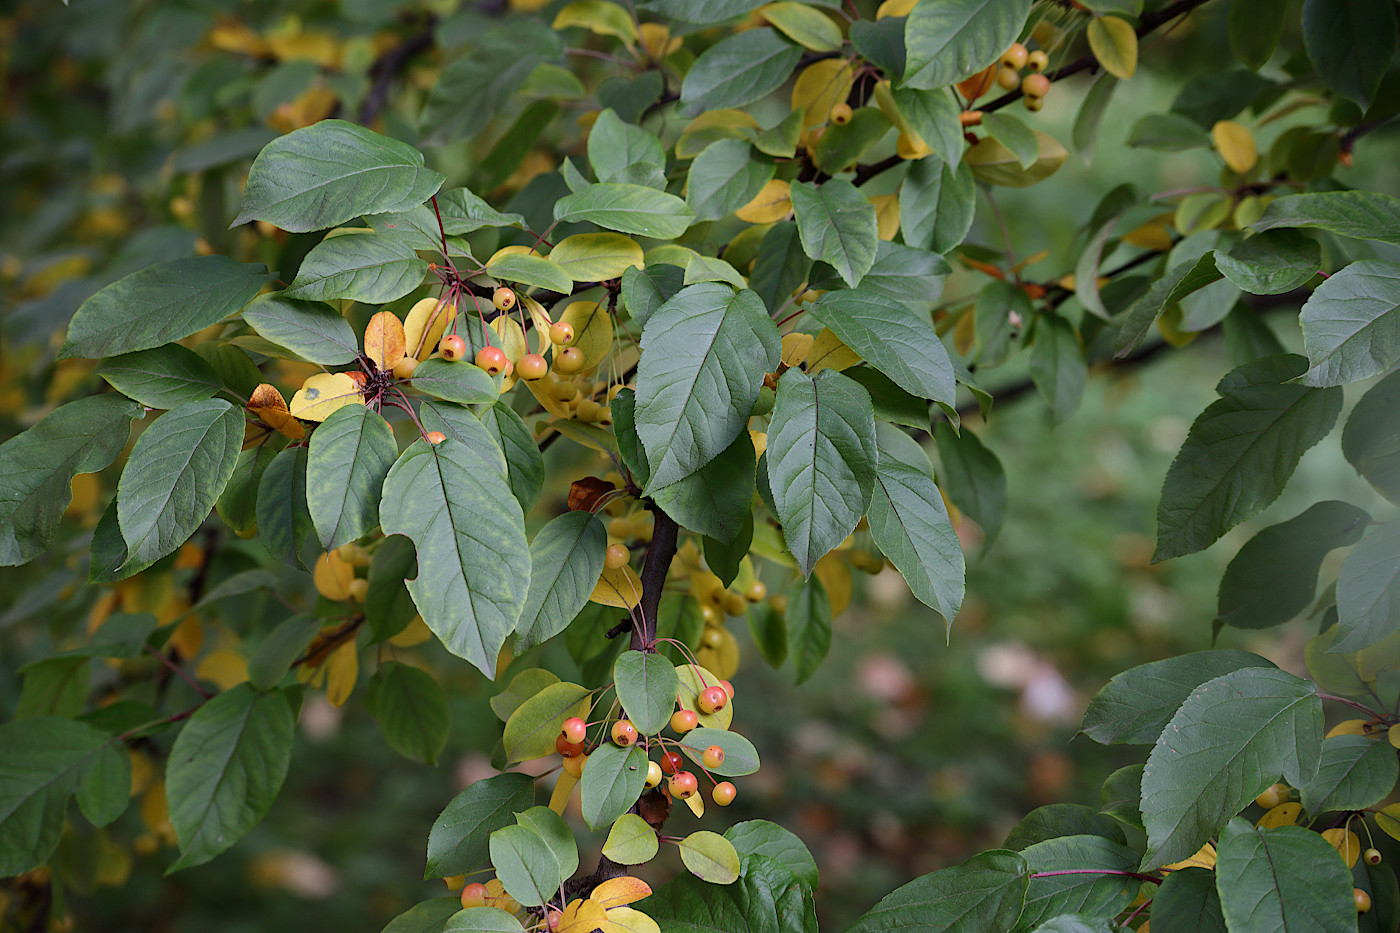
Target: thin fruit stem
178, 671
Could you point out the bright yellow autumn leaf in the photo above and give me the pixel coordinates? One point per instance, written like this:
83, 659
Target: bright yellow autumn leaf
1114, 43
620, 587
384, 340
342, 670
619, 892
1236, 145
770, 205
426, 322
323, 394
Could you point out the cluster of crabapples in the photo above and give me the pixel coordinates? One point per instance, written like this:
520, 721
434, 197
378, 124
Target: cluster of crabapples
1034, 85
1276, 799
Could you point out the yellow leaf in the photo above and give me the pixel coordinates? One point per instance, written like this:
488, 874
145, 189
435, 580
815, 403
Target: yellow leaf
713, 125
886, 214
884, 99
760, 442
415, 633
581, 916
1152, 235
1348, 727
333, 576
1236, 145
1169, 326
1346, 843
86, 489
598, 16
384, 340
620, 587
657, 41
595, 257
342, 670
821, 86
271, 409
322, 395
188, 638
911, 148
155, 814
1285, 814
835, 575
1204, 858
629, 920
1114, 43
426, 323
1392, 735
619, 892
517, 249
696, 802
1388, 819
895, 8
593, 331
807, 27
496, 895
769, 206
993, 163
795, 347
828, 352
539, 322
563, 789
224, 668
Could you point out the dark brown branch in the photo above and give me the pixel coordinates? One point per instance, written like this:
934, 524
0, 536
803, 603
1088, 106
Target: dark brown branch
660, 552
386, 67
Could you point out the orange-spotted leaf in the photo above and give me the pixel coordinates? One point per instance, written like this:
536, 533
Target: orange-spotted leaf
323, 394
619, 892
271, 408
384, 340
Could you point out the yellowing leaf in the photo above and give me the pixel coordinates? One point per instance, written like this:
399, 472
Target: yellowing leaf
621, 588
323, 394
1152, 235
821, 86
770, 205
593, 331
595, 257
342, 670
886, 215
1285, 814
1346, 843
384, 340
415, 633
563, 789
795, 348
696, 802
828, 352
514, 250
1348, 727
1204, 858
1388, 819
1114, 43
333, 576
511, 337
993, 163
581, 916
804, 25
271, 408
619, 892
911, 148
1236, 145
598, 16
426, 323
760, 442
713, 125
224, 668
657, 41
496, 895
835, 575
188, 639
895, 8
629, 920
884, 99
723, 658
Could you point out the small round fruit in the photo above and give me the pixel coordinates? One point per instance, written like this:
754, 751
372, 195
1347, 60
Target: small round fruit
683, 784
616, 557
553, 919
620, 528
492, 359
1008, 78
1271, 797
434, 437
359, 589
735, 604
404, 368
1363, 900
710, 615
575, 765
1037, 60
728, 688
566, 748
1372, 856
452, 347
841, 113
532, 366
723, 794
589, 411
568, 361
561, 333
653, 774
1015, 57
779, 602
624, 734
1034, 104
503, 299
1035, 85
711, 637
712, 757
671, 762
474, 895
756, 592
574, 729
683, 720
712, 699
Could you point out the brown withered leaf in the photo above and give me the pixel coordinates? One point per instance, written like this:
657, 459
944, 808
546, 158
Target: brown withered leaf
585, 493
271, 409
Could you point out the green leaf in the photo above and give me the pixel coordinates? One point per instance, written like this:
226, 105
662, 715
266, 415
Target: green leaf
646, 687
626, 208
726, 557
910, 525
1095, 895
843, 144
631, 841
1230, 739
614, 146
458, 842
1136, 705
284, 521
808, 620
1182, 280
37, 469
1078, 923
175, 473
482, 920
702, 11
54, 687
881, 42
350, 454
933, 114
225, 769
1274, 576
984, 893
1057, 366
1351, 44
837, 226
466, 526
645, 290
1367, 215
1085, 134
556, 834
1351, 324
566, 559
45, 759
161, 377
807, 27
1254, 31
458, 422
322, 175
717, 499
1168, 132
780, 140
237, 504
1355, 773
767, 898
1240, 452
1121, 796
1287, 878
769, 630
892, 339
972, 478
474, 88
738, 70
725, 177
768, 839
740, 757
177, 298
462, 212
105, 790
937, 202
522, 686
412, 710
1271, 262
311, 330
710, 856
459, 382
532, 728
952, 40
1371, 438
1380, 882
274, 657
525, 865
781, 266
532, 270
1062, 819
704, 356
1014, 135
1368, 590
524, 463
612, 781
371, 268
427, 917
1187, 902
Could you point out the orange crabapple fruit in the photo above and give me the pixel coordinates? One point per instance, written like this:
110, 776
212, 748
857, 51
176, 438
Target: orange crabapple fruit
452, 347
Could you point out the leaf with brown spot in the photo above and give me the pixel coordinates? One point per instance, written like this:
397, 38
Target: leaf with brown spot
585, 493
